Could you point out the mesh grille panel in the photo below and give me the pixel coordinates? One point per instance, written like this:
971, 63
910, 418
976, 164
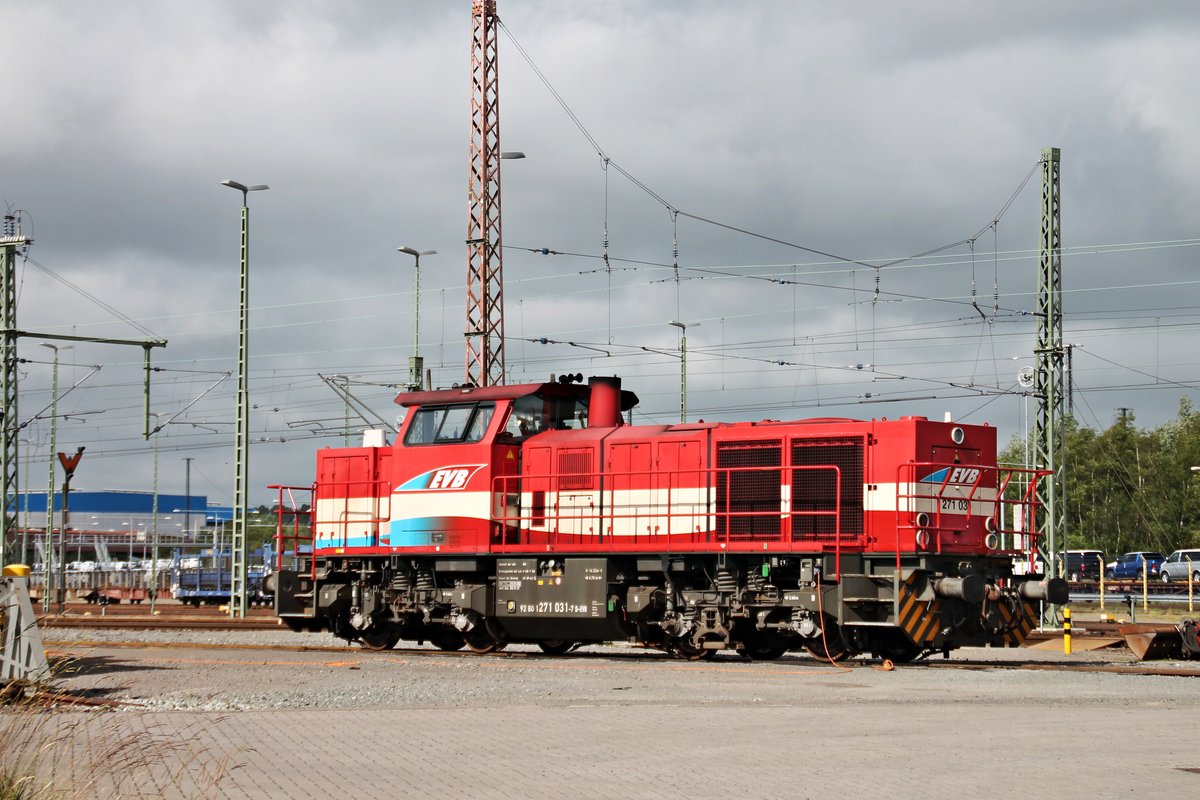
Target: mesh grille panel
751, 495
816, 490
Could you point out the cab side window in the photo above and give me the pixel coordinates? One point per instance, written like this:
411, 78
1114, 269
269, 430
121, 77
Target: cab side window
479, 422
450, 424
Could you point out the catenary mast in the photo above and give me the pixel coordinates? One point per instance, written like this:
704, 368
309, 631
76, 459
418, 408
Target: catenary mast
1049, 434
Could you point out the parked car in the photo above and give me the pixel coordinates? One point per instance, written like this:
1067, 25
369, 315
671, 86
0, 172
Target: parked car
1083, 565
1129, 565
1176, 567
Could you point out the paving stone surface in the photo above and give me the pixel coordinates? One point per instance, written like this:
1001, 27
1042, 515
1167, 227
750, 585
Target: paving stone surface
238, 723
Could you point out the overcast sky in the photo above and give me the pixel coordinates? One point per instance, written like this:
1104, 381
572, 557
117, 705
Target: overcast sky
869, 131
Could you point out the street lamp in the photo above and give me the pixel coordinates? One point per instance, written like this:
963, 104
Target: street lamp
683, 326
416, 365
237, 608
49, 573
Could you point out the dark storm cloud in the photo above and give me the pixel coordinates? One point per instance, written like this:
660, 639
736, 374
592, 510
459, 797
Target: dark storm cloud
870, 131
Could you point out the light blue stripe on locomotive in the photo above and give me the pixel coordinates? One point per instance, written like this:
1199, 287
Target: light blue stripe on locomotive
428, 531
364, 540
416, 532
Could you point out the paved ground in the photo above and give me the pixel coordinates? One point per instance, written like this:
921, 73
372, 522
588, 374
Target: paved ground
416, 725
817, 750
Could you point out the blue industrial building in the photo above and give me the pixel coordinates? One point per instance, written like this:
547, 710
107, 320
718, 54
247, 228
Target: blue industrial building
180, 517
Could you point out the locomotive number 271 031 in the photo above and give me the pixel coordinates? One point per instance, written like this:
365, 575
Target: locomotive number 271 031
551, 608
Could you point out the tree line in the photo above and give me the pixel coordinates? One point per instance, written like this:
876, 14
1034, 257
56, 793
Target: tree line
1129, 489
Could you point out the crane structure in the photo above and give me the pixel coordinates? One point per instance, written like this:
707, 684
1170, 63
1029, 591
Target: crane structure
485, 284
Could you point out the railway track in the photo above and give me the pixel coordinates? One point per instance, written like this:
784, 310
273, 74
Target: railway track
264, 619
173, 617
213, 618
63, 649
170, 617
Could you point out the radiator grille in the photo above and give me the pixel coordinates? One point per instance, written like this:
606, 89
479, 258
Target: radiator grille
816, 490
748, 498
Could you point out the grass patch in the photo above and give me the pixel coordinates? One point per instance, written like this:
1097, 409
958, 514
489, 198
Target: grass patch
51, 751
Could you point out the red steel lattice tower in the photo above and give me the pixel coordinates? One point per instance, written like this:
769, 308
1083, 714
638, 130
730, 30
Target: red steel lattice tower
485, 285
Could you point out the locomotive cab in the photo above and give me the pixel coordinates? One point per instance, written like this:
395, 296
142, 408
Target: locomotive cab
459, 457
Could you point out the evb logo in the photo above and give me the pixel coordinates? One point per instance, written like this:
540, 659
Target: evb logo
955, 476
964, 476
442, 479
453, 478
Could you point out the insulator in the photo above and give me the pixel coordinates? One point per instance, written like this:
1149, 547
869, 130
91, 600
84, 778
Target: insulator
726, 581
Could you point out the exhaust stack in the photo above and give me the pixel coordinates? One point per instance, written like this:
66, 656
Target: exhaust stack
604, 405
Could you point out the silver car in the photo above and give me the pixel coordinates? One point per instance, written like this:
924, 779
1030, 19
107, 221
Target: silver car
1177, 566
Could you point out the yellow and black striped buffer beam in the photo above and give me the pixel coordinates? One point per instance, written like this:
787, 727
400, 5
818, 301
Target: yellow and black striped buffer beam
918, 619
1015, 623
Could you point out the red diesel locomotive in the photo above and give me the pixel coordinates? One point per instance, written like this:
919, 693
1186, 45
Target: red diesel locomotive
535, 513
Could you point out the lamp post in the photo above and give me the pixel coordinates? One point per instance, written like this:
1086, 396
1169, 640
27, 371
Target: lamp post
683, 326
237, 608
50, 553
416, 365
187, 497
154, 525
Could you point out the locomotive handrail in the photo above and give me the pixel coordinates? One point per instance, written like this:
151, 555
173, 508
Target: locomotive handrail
380, 496
664, 504
296, 537
972, 484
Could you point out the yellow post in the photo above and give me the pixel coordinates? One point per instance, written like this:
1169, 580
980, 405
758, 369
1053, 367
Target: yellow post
1145, 584
1101, 574
1066, 631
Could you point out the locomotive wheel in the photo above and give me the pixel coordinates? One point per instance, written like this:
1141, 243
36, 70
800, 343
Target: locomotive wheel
556, 647
478, 640
447, 641
689, 652
900, 653
379, 639
764, 652
831, 646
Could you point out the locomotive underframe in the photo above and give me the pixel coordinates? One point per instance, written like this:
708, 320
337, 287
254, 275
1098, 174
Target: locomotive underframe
691, 605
